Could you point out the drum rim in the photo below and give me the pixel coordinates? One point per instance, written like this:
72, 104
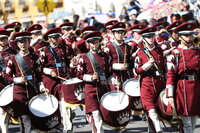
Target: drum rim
109, 93
79, 81
131, 79
33, 98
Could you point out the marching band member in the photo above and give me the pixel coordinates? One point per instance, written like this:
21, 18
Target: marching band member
120, 54
149, 64
55, 61
5, 54
93, 68
108, 37
183, 86
23, 70
12, 29
67, 35
37, 41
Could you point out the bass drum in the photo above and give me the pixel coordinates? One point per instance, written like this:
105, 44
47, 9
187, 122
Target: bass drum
132, 88
6, 99
44, 112
73, 90
115, 109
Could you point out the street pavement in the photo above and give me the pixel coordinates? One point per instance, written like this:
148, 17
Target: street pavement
81, 126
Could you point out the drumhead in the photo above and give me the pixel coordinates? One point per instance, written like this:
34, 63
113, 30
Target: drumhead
131, 87
114, 100
72, 81
43, 105
6, 95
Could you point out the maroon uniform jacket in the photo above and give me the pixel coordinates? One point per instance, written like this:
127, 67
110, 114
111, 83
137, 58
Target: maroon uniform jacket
6, 54
92, 88
150, 81
23, 92
183, 80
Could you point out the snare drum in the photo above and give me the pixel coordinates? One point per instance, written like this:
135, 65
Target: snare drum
114, 106
6, 99
132, 88
44, 112
73, 90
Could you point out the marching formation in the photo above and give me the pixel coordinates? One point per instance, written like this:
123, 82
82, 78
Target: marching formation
44, 77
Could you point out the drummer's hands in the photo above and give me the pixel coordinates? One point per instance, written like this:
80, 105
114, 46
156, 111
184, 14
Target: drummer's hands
151, 60
171, 101
45, 91
124, 67
74, 61
53, 74
23, 79
117, 83
95, 76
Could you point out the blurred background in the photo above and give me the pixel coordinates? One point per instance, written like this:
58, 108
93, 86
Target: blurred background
51, 13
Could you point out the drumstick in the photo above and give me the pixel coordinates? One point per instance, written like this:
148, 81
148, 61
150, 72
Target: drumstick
51, 100
125, 55
61, 78
21, 71
118, 90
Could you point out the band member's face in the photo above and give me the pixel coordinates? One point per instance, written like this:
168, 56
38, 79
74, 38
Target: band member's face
119, 35
54, 40
23, 44
150, 40
3, 41
94, 45
186, 38
175, 36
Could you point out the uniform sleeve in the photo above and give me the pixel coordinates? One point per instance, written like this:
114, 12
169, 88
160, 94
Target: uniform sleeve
171, 75
9, 71
141, 68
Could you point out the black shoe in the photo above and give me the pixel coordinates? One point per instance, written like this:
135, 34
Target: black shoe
69, 131
73, 115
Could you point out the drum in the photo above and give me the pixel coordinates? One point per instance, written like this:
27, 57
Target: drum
73, 90
132, 88
115, 110
6, 99
162, 105
44, 112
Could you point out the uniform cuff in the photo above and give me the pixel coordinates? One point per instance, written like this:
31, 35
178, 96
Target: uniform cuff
17, 80
41, 86
47, 71
170, 90
117, 66
87, 78
146, 66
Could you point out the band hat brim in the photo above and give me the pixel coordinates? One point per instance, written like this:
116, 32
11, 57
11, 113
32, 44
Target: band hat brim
22, 37
54, 34
66, 27
136, 30
86, 32
93, 38
186, 32
107, 27
149, 34
3, 36
118, 29
35, 31
10, 29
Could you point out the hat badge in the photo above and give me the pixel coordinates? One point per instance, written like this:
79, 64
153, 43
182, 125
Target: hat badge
140, 26
35, 27
189, 26
120, 24
150, 29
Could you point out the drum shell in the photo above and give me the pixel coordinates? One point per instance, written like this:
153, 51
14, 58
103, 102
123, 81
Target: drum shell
133, 91
69, 93
9, 107
45, 123
111, 118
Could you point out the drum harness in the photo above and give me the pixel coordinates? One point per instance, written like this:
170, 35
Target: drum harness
97, 68
26, 72
121, 55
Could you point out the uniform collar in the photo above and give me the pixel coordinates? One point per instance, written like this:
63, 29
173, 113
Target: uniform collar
24, 54
95, 52
185, 47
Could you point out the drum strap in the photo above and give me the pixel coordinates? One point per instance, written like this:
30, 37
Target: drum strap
26, 71
119, 51
57, 58
2, 65
96, 65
